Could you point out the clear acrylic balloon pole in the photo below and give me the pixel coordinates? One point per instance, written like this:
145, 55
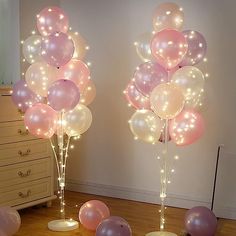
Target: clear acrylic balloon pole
61, 155
164, 178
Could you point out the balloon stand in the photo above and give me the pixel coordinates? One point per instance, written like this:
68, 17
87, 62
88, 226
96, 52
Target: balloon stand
61, 155
161, 233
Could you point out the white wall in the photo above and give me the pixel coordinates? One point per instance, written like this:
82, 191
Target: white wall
107, 160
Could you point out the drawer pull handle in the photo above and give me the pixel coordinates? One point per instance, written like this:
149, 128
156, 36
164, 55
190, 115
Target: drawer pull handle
22, 154
23, 132
26, 174
22, 195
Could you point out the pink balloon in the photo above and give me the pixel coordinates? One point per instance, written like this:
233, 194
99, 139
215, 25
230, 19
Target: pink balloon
187, 127
169, 47
41, 120
23, 97
136, 98
197, 48
10, 221
76, 71
51, 20
88, 94
57, 49
63, 95
148, 75
92, 213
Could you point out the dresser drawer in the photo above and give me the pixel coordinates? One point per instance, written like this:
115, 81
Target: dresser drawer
9, 111
25, 172
24, 151
22, 193
11, 132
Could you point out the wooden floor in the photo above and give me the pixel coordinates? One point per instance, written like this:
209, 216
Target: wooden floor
142, 217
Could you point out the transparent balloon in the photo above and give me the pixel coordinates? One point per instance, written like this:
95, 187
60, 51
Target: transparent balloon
169, 48
191, 80
187, 127
78, 120
146, 126
148, 75
32, 49
39, 76
76, 71
197, 48
57, 49
88, 94
63, 95
167, 100
92, 213
142, 46
135, 98
51, 20
168, 16
41, 120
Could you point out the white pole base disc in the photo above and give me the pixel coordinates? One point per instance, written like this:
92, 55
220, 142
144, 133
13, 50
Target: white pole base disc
63, 225
161, 233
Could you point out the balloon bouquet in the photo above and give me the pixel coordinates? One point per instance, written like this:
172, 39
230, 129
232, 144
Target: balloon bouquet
56, 91
167, 89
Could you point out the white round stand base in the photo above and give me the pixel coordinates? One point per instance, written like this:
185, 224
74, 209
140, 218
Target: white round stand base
161, 233
63, 225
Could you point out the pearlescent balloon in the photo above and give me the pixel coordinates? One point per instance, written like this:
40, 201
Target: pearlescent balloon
78, 120
145, 125
191, 80
81, 46
10, 221
187, 127
148, 75
57, 49
167, 100
63, 95
199, 103
92, 213
168, 16
136, 98
88, 94
51, 20
32, 49
39, 76
23, 97
142, 46
169, 48
200, 221
41, 120
76, 71
114, 226
197, 48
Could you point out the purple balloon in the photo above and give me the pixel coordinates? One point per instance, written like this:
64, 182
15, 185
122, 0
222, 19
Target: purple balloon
57, 49
114, 226
9, 221
136, 98
197, 48
148, 75
23, 97
200, 221
63, 95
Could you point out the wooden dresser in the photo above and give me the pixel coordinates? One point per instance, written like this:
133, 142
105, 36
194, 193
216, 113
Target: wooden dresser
26, 163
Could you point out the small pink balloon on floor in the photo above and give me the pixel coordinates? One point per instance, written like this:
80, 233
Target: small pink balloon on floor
10, 221
63, 95
114, 226
187, 127
57, 49
23, 97
92, 213
51, 20
200, 221
41, 120
76, 71
136, 98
